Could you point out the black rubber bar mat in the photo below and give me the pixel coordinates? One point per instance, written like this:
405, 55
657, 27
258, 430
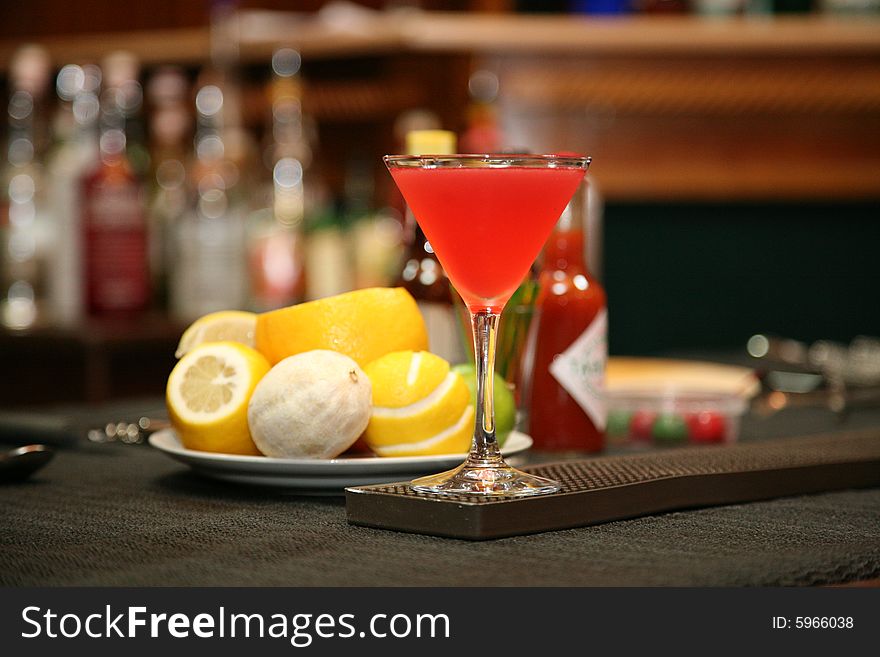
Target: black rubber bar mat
609, 488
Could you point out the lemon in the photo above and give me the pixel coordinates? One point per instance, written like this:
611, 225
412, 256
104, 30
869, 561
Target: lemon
312, 405
420, 406
406, 377
208, 393
454, 440
364, 325
234, 325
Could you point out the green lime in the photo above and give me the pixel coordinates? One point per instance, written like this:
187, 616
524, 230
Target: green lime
669, 429
618, 423
505, 406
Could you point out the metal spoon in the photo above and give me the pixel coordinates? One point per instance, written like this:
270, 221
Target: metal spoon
20, 463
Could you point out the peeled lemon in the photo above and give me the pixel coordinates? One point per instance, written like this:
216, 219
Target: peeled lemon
312, 405
208, 393
420, 406
222, 326
364, 325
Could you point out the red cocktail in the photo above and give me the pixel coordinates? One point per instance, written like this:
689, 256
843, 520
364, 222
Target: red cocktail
487, 217
487, 225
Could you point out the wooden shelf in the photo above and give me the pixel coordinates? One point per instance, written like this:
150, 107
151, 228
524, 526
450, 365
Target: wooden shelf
706, 128
261, 31
684, 108
176, 46
642, 35
93, 362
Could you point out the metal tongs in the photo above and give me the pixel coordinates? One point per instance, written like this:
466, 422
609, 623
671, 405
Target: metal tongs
823, 374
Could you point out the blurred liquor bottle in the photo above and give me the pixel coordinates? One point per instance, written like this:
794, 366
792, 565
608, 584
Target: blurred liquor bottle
24, 229
328, 260
210, 271
275, 241
376, 234
663, 6
222, 68
122, 84
602, 7
755, 7
568, 342
792, 6
328, 255
170, 128
224, 72
482, 133
114, 223
422, 274
848, 7
541, 6
210, 247
74, 154
406, 122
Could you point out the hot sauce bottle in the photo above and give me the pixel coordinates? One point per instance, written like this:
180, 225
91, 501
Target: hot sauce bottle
422, 275
569, 341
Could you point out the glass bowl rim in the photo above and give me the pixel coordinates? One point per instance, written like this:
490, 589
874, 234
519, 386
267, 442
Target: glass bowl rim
489, 160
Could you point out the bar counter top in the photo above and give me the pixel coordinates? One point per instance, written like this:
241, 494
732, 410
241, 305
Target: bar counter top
121, 515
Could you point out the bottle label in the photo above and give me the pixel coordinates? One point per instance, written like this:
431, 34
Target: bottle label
580, 369
116, 271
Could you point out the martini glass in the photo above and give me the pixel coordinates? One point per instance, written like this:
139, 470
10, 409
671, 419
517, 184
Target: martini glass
487, 217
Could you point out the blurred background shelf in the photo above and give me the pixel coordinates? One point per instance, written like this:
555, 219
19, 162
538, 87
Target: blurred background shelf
92, 363
640, 34
738, 158
679, 107
364, 33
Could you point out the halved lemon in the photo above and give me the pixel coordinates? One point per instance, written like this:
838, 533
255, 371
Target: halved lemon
208, 393
222, 326
420, 406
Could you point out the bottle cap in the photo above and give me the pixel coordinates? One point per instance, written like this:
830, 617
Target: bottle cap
119, 67
30, 70
430, 142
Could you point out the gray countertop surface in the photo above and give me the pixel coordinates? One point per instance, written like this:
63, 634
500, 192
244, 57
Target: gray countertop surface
128, 515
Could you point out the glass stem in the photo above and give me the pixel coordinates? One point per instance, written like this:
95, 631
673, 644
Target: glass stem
485, 447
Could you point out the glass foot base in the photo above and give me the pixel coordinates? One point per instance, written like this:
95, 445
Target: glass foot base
495, 480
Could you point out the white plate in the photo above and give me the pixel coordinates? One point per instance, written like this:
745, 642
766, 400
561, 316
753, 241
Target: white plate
316, 475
